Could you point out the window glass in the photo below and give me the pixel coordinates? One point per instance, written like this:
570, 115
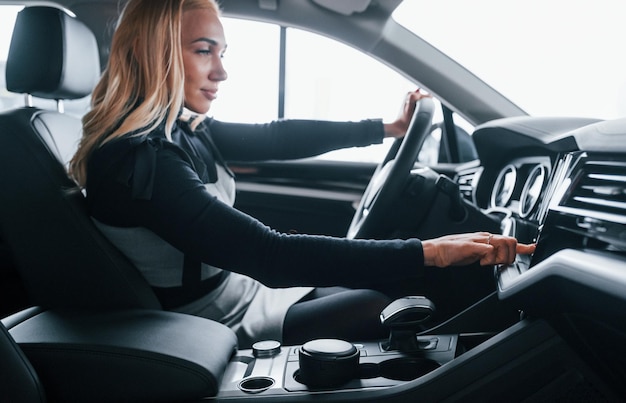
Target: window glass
325, 80
552, 58
250, 94
328, 80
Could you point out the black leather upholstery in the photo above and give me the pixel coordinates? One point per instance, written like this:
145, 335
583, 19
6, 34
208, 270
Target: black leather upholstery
52, 55
132, 355
18, 380
99, 333
64, 261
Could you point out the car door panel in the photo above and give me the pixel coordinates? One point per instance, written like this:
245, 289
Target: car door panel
310, 196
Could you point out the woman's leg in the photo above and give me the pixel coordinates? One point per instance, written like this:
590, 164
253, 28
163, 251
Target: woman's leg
338, 313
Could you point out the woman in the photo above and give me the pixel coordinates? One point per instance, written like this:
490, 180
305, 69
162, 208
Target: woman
152, 166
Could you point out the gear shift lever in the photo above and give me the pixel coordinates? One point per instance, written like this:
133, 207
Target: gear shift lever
403, 317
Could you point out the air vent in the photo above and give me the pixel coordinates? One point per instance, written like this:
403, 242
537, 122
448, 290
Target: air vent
600, 188
467, 181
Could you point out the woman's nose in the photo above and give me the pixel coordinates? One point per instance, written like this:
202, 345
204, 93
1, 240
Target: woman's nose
218, 73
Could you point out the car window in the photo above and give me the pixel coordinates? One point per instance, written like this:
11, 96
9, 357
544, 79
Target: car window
324, 79
328, 80
552, 58
249, 95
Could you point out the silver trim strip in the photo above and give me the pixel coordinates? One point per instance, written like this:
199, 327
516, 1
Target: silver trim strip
595, 270
299, 191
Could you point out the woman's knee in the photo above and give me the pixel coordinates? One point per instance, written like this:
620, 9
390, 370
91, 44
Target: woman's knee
349, 314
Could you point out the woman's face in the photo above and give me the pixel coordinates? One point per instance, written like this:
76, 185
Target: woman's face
203, 45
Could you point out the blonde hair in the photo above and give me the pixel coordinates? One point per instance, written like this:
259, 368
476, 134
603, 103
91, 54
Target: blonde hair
143, 84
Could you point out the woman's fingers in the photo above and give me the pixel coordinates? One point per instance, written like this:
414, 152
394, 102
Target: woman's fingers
524, 249
505, 249
484, 247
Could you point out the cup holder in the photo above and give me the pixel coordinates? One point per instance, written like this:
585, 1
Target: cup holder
396, 369
406, 369
256, 384
331, 363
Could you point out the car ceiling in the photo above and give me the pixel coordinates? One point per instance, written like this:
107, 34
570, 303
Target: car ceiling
368, 28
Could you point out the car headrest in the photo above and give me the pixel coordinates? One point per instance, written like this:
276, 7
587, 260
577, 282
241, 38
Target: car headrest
52, 55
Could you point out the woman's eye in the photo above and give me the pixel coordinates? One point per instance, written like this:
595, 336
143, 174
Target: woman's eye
204, 51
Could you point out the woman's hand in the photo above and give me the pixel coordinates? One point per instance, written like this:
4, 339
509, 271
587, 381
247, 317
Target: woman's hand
399, 127
463, 249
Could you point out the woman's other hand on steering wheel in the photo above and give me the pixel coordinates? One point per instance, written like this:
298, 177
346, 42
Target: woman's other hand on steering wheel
398, 128
463, 249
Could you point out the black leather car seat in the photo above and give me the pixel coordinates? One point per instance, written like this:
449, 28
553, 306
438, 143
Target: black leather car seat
98, 332
18, 380
62, 258
122, 355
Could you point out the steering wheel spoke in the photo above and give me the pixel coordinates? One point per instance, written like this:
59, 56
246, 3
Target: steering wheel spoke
390, 178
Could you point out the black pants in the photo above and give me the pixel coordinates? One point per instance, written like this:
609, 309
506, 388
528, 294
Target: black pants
338, 313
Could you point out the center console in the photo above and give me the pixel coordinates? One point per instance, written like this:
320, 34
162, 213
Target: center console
250, 373
323, 365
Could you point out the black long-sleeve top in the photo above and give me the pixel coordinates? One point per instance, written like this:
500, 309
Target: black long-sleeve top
148, 181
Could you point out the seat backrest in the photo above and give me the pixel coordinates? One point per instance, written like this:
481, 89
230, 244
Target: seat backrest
18, 380
64, 261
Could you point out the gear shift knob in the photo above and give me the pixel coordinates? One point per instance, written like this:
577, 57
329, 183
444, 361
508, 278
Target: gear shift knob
404, 317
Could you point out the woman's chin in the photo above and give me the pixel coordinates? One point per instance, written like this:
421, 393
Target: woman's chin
197, 109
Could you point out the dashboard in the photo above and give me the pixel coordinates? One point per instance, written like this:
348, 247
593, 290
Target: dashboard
562, 184
520, 184
552, 174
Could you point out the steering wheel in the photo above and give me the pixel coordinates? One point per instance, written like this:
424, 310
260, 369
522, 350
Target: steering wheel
391, 175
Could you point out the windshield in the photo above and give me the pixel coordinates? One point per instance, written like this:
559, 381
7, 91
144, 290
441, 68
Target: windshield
551, 58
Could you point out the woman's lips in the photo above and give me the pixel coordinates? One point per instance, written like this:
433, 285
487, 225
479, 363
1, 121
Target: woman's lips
209, 94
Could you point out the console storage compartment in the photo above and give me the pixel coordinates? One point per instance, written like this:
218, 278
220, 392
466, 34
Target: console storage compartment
137, 355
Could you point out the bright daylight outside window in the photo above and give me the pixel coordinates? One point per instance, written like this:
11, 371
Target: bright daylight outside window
552, 58
321, 82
